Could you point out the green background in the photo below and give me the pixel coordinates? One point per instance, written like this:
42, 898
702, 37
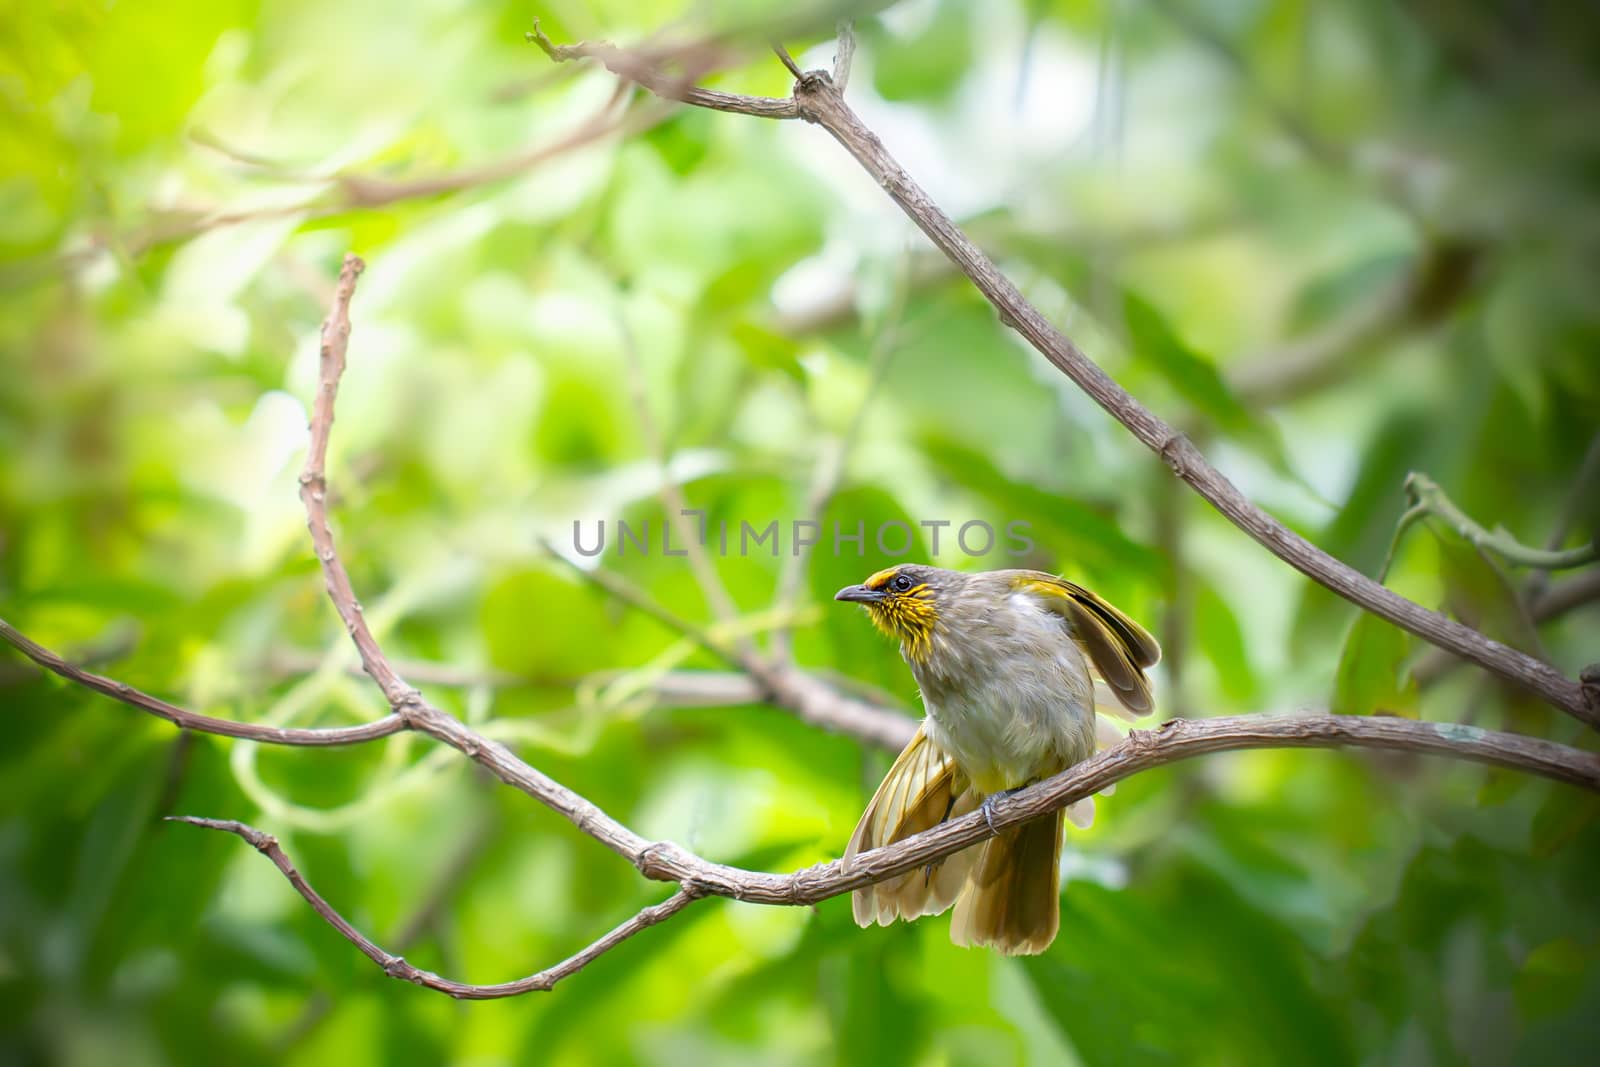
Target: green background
1404, 195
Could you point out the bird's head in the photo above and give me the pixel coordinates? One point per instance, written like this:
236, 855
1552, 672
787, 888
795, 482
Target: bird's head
904, 602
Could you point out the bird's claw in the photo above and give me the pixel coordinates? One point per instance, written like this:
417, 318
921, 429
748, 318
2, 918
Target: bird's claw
987, 807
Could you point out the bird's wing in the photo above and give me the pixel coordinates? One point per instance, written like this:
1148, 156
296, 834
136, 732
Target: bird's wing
914, 796
1119, 648
921, 790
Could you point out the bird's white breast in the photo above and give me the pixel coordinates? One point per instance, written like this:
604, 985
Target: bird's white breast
1009, 694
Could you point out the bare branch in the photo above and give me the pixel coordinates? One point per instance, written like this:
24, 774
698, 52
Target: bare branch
1559, 599
104, 649
814, 702
677, 688
1177, 740
323, 736
642, 67
808, 698
410, 930
314, 495
397, 967
292, 662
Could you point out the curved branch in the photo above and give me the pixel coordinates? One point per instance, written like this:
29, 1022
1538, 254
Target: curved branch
397, 967
1177, 740
323, 736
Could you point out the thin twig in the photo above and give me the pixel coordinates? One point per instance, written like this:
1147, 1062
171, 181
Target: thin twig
1427, 496
292, 662
314, 496
105, 649
787, 60
808, 698
1573, 593
410, 929
396, 967
320, 736
1580, 498
647, 70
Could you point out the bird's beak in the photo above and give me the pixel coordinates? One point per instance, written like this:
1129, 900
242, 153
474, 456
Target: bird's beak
858, 594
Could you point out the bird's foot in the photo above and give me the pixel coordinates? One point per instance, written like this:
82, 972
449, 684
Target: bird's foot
988, 806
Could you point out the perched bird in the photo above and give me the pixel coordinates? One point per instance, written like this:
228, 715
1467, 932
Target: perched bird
1006, 661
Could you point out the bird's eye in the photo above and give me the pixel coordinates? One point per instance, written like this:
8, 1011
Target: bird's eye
900, 583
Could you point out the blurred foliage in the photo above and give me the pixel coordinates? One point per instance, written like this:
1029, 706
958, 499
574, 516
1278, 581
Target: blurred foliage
1405, 194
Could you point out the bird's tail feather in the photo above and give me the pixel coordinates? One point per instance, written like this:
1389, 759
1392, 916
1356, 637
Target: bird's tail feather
1006, 890
1012, 899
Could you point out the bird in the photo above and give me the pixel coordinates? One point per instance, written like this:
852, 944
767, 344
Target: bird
1006, 662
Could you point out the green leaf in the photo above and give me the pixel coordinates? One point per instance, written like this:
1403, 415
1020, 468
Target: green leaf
1372, 676
768, 349
1362, 530
1478, 592
1222, 639
541, 624
1193, 375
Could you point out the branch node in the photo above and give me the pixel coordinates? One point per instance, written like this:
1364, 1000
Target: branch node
1176, 452
808, 87
654, 864
412, 707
